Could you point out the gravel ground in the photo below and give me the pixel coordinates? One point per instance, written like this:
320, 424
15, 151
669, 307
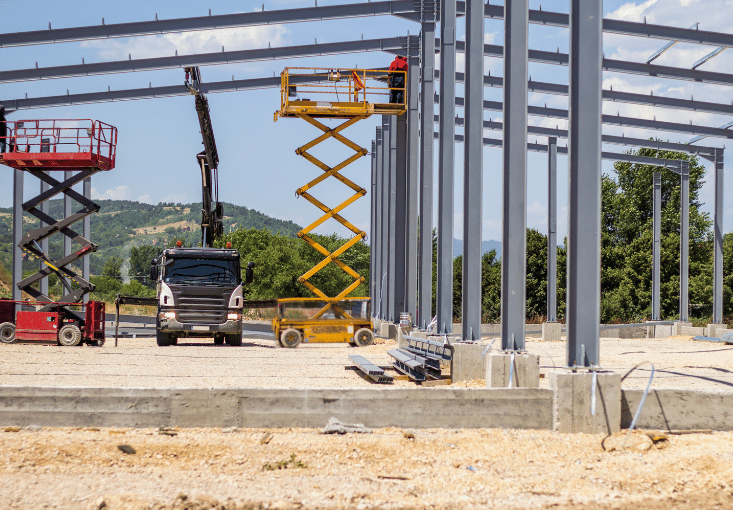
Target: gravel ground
201, 469
679, 362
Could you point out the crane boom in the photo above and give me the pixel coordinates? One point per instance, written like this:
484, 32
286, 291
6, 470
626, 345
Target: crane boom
211, 209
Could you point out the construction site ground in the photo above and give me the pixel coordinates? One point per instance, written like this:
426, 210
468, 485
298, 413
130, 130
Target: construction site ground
388, 468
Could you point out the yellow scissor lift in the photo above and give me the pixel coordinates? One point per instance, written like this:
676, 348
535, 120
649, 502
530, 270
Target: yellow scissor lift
337, 318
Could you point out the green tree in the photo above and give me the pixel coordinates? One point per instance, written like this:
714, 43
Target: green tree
626, 239
140, 257
112, 268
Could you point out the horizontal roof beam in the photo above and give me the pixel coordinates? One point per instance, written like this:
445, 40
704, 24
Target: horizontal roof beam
614, 120
403, 8
399, 7
392, 44
671, 164
610, 139
616, 66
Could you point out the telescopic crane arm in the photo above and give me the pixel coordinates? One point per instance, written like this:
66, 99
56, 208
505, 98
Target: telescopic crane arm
211, 211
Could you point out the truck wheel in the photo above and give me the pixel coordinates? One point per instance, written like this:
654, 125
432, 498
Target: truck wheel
218, 339
234, 340
363, 337
291, 338
164, 339
70, 335
7, 333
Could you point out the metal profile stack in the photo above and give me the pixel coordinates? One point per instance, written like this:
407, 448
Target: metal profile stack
374, 372
422, 359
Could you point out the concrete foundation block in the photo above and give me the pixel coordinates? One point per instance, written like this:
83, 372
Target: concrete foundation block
663, 331
714, 330
467, 363
383, 331
525, 372
551, 331
574, 409
679, 328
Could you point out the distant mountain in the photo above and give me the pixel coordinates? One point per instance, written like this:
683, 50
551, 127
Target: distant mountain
486, 246
122, 224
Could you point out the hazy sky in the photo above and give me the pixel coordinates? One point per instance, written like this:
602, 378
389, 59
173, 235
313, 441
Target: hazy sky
159, 138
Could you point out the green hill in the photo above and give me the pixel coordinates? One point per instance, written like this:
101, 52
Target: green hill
121, 224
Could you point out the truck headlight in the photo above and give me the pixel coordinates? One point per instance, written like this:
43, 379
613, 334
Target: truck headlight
234, 316
168, 315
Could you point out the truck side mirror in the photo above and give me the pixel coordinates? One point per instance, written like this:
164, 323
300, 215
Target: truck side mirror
249, 274
153, 271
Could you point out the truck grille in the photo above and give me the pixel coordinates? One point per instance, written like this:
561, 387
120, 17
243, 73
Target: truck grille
201, 309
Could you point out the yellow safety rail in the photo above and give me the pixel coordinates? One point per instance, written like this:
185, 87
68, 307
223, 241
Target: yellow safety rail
353, 89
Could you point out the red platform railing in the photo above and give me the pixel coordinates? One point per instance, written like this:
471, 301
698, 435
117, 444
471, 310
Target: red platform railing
60, 144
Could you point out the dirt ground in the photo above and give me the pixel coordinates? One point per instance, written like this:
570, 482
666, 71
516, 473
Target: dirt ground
237, 469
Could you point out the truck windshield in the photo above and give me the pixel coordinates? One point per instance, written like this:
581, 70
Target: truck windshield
203, 272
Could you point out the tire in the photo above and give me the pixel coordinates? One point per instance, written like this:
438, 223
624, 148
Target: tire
70, 335
363, 337
291, 338
218, 339
100, 342
234, 340
7, 333
164, 339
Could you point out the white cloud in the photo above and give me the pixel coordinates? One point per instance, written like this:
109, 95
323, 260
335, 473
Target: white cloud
145, 199
633, 11
207, 41
118, 193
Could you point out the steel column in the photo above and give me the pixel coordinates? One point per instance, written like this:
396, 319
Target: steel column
718, 232
384, 296
400, 179
446, 164
656, 245
514, 224
17, 232
87, 233
378, 239
425, 272
413, 177
372, 228
684, 240
552, 229
43, 284
584, 201
392, 228
473, 171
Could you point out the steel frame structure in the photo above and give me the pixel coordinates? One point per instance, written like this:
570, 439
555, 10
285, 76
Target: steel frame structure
395, 204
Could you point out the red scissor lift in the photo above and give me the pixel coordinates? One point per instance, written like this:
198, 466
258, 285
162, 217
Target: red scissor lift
41, 147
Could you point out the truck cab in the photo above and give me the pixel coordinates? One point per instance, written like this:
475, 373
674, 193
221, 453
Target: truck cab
200, 294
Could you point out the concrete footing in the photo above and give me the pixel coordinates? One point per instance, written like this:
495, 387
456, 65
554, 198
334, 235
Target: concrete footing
680, 328
468, 361
506, 370
715, 330
551, 331
578, 408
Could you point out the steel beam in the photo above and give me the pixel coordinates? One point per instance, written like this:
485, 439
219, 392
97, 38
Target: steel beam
43, 284
684, 240
413, 180
103, 31
473, 172
393, 44
584, 200
446, 165
656, 245
552, 229
383, 309
514, 197
400, 231
372, 227
377, 240
718, 238
425, 272
17, 232
392, 233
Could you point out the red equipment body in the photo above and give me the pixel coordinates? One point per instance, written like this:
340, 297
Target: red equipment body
44, 324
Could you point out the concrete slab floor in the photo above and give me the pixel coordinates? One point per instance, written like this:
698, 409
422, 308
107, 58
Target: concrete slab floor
681, 363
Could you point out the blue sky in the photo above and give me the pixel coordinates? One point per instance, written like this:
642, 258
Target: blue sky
159, 138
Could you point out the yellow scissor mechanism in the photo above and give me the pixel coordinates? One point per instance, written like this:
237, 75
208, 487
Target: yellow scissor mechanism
355, 86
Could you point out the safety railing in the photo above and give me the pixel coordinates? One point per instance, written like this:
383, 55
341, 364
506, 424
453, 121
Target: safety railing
362, 86
62, 136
